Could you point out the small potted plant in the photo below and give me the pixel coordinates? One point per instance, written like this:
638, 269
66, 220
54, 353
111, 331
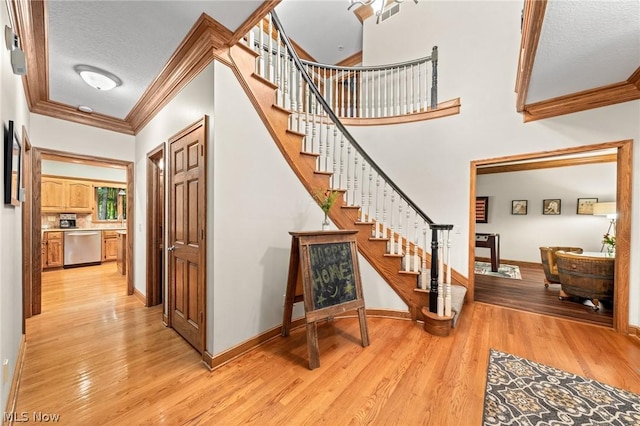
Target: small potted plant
326, 199
610, 242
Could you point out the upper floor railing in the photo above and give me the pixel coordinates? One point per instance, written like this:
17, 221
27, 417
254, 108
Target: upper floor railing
378, 91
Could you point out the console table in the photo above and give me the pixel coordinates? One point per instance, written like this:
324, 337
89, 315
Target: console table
492, 242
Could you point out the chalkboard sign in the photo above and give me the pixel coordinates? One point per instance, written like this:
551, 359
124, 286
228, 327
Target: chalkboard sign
332, 274
324, 273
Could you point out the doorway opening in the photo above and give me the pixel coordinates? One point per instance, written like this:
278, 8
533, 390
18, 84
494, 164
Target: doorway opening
156, 264
36, 197
622, 152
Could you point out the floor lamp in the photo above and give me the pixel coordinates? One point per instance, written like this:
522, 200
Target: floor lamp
608, 210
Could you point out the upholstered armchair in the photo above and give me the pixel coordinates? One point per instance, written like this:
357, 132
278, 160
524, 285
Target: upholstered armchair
590, 277
548, 255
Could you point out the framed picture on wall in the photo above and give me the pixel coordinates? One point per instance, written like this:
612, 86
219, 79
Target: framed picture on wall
585, 205
551, 206
482, 209
519, 206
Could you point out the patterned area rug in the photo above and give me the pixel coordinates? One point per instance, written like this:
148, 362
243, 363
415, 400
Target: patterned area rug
504, 271
523, 392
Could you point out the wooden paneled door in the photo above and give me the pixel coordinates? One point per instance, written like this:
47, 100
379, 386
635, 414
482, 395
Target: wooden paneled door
186, 239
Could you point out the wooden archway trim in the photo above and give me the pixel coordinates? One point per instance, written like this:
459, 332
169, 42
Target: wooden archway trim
624, 173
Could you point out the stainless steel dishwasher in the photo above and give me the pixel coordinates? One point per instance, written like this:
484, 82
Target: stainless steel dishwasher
82, 247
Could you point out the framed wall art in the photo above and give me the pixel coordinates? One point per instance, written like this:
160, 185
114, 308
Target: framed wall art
551, 206
585, 205
482, 209
519, 207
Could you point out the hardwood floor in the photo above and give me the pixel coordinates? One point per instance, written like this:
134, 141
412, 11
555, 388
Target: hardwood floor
530, 294
96, 356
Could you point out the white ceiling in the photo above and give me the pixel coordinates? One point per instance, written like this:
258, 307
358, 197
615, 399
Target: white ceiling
584, 44
131, 39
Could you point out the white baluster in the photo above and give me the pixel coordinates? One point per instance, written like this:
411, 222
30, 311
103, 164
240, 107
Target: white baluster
327, 135
349, 106
400, 225
360, 86
278, 72
369, 216
313, 123
384, 210
381, 108
353, 200
362, 205
342, 96
320, 138
293, 92
366, 93
341, 161
355, 178
407, 250
307, 107
299, 95
416, 256
261, 49
270, 52
405, 79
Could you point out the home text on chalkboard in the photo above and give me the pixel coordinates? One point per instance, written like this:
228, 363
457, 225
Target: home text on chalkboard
332, 274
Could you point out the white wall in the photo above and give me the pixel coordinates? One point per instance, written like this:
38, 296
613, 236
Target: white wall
521, 235
61, 168
67, 136
13, 106
478, 45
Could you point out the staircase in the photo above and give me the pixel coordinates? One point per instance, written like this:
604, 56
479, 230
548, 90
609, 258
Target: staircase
392, 230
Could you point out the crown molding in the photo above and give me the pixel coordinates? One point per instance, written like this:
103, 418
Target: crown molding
533, 16
190, 58
547, 164
65, 112
32, 28
635, 78
351, 61
588, 99
253, 19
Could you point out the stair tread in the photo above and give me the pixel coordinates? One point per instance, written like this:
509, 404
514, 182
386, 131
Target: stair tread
265, 81
408, 272
398, 255
319, 172
378, 239
311, 154
295, 132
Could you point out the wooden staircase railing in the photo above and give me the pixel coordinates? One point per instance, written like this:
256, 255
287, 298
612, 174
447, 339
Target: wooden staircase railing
392, 230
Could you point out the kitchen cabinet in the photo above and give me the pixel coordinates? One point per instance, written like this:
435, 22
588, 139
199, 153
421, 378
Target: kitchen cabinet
53, 250
66, 195
109, 246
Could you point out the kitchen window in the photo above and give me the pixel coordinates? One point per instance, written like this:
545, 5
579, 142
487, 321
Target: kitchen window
111, 204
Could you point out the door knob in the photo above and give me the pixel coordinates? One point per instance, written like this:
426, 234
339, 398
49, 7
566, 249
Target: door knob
172, 248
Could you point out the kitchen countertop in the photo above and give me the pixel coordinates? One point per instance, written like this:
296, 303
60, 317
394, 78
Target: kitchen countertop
96, 228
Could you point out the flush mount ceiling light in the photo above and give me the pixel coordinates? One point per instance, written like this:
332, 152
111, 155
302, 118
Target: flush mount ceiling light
86, 109
97, 78
378, 6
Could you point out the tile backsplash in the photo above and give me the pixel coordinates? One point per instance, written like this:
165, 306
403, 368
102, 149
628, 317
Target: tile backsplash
52, 220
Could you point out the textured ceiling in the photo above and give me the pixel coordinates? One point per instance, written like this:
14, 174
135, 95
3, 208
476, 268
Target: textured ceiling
131, 39
330, 32
585, 44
